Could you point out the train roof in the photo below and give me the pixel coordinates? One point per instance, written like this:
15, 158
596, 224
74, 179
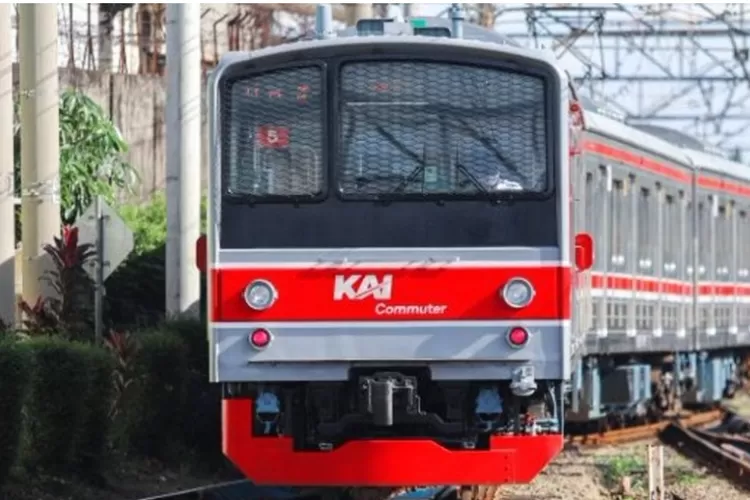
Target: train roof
701, 155
603, 125
667, 143
407, 27
714, 163
396, 31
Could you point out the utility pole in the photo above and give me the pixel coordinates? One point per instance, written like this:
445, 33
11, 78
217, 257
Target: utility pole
183, 157
357, 11
7, 204
40, 141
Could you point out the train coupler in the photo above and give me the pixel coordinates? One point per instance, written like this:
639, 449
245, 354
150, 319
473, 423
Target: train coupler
386, 393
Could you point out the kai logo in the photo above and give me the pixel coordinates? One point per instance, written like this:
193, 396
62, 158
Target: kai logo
358, 287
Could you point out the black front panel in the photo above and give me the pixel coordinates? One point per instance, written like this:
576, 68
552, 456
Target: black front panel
338, 224
337, 150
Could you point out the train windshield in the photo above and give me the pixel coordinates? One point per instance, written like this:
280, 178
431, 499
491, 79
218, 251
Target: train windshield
434, 128
274, 135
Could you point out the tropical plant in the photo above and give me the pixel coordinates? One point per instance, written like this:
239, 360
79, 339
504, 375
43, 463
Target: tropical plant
67, 311
124, 348
91, 155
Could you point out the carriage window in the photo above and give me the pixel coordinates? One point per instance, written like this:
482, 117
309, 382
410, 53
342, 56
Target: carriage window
646, 240
723, 243
671, 235
440, 128
704, 238
689, 239
743, 238
273, 139
618, 226
590, 196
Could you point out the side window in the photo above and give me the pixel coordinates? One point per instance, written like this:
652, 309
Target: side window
723, 243
646, 240
689, 239
671, 238
600, 224
743, 239
704, 238
590, 196
618, 225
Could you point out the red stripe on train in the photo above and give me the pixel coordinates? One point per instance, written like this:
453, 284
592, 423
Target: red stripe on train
462, 293
672, 287
677, 173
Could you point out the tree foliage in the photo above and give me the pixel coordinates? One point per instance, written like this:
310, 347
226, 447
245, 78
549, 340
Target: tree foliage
91, 155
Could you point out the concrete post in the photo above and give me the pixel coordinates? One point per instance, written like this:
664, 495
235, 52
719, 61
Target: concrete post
40, 142
7, 216
183, 157
357, 11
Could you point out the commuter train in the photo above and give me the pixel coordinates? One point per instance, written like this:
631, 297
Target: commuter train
389, 258
400, 256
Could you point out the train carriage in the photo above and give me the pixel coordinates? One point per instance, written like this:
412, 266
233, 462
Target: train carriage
390, 259
661, 334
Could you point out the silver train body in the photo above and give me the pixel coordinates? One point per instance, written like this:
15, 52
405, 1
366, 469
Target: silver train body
661, 334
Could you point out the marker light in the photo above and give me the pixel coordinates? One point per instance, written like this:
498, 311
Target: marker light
518, 337
260, 295
518, 293
260, 338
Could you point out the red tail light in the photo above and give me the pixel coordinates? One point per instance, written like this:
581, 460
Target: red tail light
518, 337
260, 338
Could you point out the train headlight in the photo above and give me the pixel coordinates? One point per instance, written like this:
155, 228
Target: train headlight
260, 295
518, 293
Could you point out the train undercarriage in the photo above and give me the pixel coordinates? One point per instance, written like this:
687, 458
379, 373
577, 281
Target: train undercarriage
403, 403
620, 391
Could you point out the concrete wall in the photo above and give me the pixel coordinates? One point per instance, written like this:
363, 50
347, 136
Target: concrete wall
136, 104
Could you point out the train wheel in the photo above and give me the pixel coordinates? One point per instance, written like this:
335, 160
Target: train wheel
479, 493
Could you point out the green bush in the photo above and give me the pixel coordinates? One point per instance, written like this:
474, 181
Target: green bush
15, 365
202, 416
92, 444
136, 290
56, 406
154, 419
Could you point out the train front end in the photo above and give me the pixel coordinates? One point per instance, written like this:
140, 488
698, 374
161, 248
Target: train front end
389, 259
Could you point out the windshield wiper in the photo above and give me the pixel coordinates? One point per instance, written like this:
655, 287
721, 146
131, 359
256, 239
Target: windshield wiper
477, 183
487, 143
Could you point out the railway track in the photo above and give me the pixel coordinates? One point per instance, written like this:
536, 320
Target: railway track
729, 454
646, 431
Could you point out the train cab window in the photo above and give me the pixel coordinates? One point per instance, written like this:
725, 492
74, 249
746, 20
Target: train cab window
619, 226
274, 139
646, 231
